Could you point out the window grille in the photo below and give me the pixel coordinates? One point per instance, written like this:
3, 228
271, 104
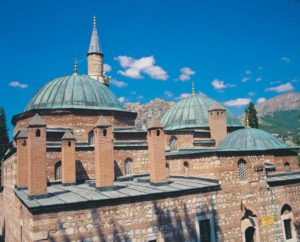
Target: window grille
173, 143
128, 167
242, 170
286, 167
58, 171
91, 137
186, 169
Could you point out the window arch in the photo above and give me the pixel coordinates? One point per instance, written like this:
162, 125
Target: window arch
57, 171
287, 167
128, 166
91, 137
38, 133
173, 143
287, 221
186, 168
242, 169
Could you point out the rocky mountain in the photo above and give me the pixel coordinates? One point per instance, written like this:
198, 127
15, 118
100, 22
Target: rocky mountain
283, 102
146, 112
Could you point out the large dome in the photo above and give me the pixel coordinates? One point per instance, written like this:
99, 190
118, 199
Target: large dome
74, 92
249, 140
192, 112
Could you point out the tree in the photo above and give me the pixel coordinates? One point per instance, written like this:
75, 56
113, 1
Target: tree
250, 112
4, 140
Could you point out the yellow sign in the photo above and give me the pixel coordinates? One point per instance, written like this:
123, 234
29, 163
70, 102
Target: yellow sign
267, 220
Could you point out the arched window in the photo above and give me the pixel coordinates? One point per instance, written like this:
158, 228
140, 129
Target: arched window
287, 221
57, 171
128, 167
173, 143
287, 167
167, 170
186, 168
91, 137
38, 133
242, 170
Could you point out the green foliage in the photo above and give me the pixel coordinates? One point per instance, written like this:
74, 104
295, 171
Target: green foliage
252, 115
4, 140
296, 140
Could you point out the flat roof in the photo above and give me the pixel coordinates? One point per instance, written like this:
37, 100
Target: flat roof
84, 196
283, 178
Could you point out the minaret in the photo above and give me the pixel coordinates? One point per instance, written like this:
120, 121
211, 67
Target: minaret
95, 57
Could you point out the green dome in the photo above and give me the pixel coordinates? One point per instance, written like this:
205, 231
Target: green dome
251, 139
192, 112
74, 92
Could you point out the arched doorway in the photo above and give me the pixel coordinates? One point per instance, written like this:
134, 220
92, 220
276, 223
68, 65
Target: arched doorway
249, 234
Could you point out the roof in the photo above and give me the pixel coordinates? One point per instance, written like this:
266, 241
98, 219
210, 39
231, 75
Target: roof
102, 122
23, 134
74, 92
216, 106
36, 121
283, 178
85, 195
155, 123
192, 112
250, 139
68, 135
94, 47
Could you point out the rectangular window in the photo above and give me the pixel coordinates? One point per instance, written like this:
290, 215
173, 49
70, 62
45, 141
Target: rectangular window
205, 231
205, 228
287, 228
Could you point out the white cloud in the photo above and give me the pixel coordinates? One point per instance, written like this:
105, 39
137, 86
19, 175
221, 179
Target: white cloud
107, 68
251, 94
186, 73
168, 94
248, 72
258, 79
121, 99
275, 82
245, 79
118, 83
219, 85
139, 97
18, 84
134, 68
286, 59
281, 88
261, 100
238, 102
184, 95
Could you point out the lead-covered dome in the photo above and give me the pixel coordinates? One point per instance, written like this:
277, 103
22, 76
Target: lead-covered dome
250, 140
74, 92
192, 112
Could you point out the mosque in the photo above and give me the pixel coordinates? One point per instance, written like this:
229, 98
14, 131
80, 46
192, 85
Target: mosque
79, 170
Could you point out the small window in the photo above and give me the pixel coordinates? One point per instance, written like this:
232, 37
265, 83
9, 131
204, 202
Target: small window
287, 167
23, 142
57, 170
242, 170
69, 143
173, 143
167, 170
157, 132
91, 137
38, 133
104, 132
128, 167
186, 168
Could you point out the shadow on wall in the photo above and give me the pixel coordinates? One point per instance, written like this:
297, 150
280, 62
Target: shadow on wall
172, 224
118, 171
81, 173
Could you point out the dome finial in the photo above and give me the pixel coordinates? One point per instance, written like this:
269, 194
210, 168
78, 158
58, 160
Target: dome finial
193, 88
75, 67
94, 22
247, 126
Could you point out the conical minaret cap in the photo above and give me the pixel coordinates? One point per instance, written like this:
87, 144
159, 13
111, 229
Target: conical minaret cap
37, 121
23, 134
155, 124
216, 106
95, 43
102, 122
68, 136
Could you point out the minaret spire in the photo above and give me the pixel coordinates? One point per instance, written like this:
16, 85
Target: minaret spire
75, 67
95, 57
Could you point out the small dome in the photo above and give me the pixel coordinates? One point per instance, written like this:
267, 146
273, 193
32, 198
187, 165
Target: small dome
251, 139
74, 92
192, 112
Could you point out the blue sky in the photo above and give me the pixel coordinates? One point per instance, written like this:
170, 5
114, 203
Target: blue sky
233, 50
